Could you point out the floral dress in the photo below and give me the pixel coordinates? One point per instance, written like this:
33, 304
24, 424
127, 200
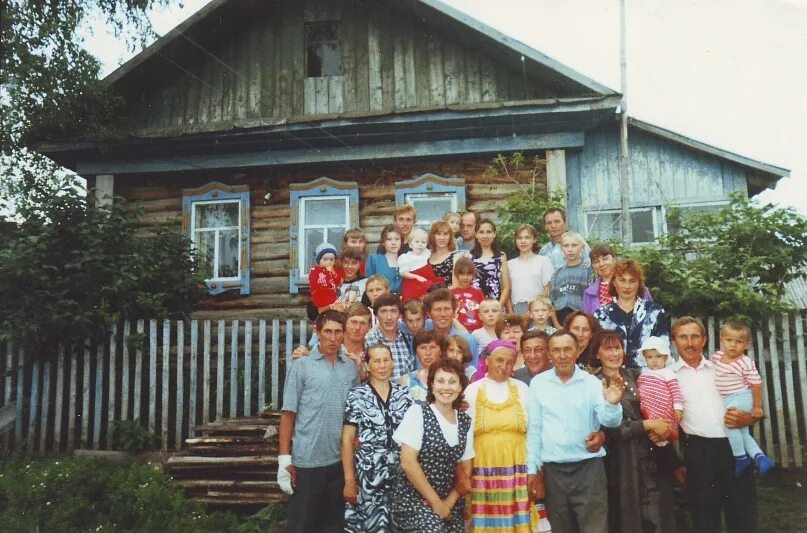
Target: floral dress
647, 319
444, 269
489, 276
377, 458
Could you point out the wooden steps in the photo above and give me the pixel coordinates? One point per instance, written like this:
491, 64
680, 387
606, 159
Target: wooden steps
230, 463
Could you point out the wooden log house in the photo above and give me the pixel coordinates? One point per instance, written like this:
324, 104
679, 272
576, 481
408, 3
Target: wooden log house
263, 127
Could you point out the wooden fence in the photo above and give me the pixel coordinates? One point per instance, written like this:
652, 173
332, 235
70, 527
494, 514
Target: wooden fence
173, 376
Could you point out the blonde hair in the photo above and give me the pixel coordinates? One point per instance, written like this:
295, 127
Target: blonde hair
406, 208
448, 214
491, 301
543, 300
378, 278
418, 231
573, 235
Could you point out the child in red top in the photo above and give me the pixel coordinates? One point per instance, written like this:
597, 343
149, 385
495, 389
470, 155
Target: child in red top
468, 297
324, 280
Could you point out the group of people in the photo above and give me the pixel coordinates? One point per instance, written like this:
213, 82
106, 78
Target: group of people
448, 388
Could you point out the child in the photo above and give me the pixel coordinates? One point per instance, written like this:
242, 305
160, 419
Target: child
385, 262
489, 312
413, 316
414, 267
740, 386
540, 314
570, 281
468, 298
453, 220
457, 348
376, 286
353, 282
324, 280
356, 239
530, 273
659, 392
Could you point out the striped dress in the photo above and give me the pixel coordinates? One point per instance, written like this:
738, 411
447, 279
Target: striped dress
499, 498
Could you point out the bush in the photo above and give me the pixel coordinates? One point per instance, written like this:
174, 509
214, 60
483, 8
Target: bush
76, 494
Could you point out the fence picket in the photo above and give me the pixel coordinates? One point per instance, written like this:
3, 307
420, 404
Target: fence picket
124, 372
247, 367
220, 372
99, 394
192, 376
137, 411
85, 397
777, 395
206, 376
71, 414
790, 396
113, 349
802, 375
152, 407
180, 366
234, 369
710, 325
166, 389
767, 423
7, 391
57, 404
30, 441
303, 336
289, 341
275, 363
43, 428
261, 363
20, 396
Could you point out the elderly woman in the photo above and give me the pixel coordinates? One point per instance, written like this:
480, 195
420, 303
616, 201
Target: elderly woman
429, 347
372, 413
598, 293
435, 438
632, 317
640, 493
497, 406
584, 327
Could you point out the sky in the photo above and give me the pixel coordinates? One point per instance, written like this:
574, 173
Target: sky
730, 73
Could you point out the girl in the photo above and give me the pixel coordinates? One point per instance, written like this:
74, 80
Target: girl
468, 298
453, 220
457, 349
443, 248
489, 312
530, 273
541, 312
385, 262
493, 277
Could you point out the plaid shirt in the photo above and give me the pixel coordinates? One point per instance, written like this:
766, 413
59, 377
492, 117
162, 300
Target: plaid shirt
401, 353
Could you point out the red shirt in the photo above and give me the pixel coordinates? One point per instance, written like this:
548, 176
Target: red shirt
324, 286
468, 301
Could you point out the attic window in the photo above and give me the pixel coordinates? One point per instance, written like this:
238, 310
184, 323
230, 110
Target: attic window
324, 51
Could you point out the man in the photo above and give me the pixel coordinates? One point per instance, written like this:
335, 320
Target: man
536, 358
441, 307
404, 218
711, 483
555, 225
468, 226
313, 407
388, 310
566, 406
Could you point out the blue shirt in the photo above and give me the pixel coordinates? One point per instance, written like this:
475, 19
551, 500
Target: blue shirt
561, 416
378, 264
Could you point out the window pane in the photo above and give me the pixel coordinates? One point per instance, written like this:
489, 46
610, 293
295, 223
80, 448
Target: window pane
604, 226
224, 214
228, 254
205, 249
324, 51
642, 226
431, 209
335, 236
311, 239
673, 223
325, 212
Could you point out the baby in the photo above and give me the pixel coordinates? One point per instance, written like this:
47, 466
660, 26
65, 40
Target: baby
324, 279
659, 392
414, 267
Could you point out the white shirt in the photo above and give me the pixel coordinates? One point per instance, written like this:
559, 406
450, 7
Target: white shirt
528, 277
483, 338
497, 393
410, 431
411, 261
703, 407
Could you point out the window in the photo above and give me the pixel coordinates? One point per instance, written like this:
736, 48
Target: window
323, 49
321, 211
431, 196
673, 222
606, 225
216, 218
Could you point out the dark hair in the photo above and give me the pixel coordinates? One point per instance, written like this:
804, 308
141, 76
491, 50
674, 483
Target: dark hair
388, 299
510, 319
605, 338
425, 336
601, 250
389, 228
496, 245
554, 210
378, 346
560, 333
628, 266
463, 345
531, 229
592, 322
333, 316
533, 334
440, 295
453, 367
464, 265
351, 253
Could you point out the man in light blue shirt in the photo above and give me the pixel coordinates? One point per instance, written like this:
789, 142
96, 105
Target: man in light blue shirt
566, 405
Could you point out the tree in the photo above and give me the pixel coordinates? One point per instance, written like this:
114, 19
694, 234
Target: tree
732, 263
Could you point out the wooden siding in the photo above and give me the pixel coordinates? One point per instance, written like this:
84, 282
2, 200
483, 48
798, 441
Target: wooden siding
159, 201
390, 61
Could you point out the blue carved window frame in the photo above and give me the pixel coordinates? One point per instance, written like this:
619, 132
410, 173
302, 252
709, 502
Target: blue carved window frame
219, 192
319, 189
430, 185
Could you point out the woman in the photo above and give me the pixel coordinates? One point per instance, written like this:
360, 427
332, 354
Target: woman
633, 318
492, 276
640, 494
428, 346
497, 406
372, 413
584, 326
435, 438
385, 262
443, 248
599, 293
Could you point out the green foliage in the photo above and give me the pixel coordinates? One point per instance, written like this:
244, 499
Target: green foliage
69, 269
732, 263
266, 520
78, 494
526, 206
130, 436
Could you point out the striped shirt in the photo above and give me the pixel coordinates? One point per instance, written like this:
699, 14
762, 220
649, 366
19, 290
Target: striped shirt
734, 376
660, 396
401, 353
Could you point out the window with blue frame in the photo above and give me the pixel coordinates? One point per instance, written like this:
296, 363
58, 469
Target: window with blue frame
431, 196
216, 218
321, 211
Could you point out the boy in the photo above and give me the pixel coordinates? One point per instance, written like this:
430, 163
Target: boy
413, 316
353, 281
740, 386
570, 281
489, 312
540, 315
356, 239
659, 392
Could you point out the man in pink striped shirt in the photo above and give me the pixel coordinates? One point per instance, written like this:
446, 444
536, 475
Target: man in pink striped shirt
740, 386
